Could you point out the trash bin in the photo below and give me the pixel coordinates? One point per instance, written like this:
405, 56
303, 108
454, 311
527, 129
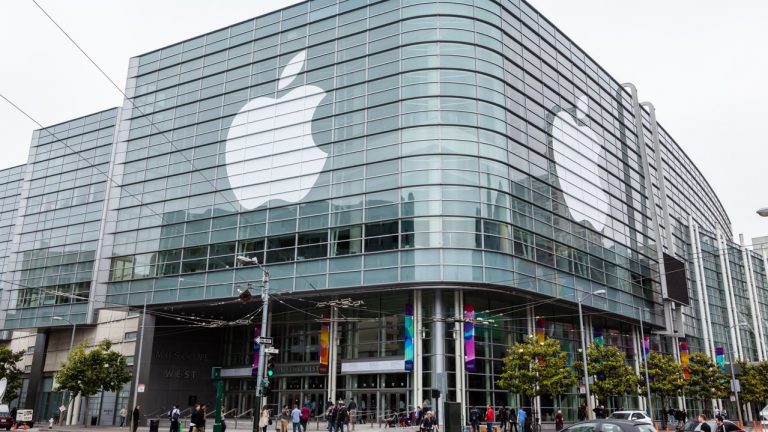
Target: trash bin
154, 425
94, 420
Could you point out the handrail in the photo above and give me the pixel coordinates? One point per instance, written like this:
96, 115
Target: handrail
224, 414
242, 414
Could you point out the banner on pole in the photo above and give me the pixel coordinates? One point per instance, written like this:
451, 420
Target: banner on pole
469, 338
325, 344
684, 358
256, 351
408, 337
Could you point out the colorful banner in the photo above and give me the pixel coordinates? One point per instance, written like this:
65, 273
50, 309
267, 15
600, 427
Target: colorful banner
325, 344
720, 358
256, 351
540, 330
469, 338
598, 333
646, 346
409, 337
684, 358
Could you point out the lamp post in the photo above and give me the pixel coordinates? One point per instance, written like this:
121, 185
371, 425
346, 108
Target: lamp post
71, 345
264, 316
640, 311
584, 347
733, 376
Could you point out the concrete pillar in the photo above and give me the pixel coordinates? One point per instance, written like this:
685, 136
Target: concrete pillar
439, 377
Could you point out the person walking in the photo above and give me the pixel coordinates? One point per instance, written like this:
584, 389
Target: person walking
704, 425
719, 424
194, 418
474, 419
503, 419
304, 417
330, 416
429, 423
264, 418
296, 418
174, 415
521, 415
489, 419
123, 414
135, 417
559, 421
285, 417
512, 419
352, 408
342, 416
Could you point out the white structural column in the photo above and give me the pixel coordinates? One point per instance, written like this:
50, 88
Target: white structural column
333, 354
637, 346
701, 288
730, 300
418, 348
439, 378
458, 331
753, 303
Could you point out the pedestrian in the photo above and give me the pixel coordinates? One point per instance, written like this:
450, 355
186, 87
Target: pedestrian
474, 419
194, 418
174, 415
342, 416
719, 423
201, 419
123, 414
582, 414
503, 418
135, 419
512, 420
489, 419
223, 420
305, 417
352, 411
285, 418
559, 421
264, 420
521, 416
429, 423
599, 412
704, 425
296, 418
330, 416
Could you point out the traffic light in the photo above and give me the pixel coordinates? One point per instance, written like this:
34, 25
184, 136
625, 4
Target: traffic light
270, 366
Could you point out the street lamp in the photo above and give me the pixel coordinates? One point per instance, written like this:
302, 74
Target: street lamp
243, 260
71, 344
733, 375
584, 346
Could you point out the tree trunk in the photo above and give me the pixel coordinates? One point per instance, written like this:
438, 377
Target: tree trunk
85, 415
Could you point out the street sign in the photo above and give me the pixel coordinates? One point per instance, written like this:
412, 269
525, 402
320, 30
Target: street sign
141, 388
261, 340
270, 350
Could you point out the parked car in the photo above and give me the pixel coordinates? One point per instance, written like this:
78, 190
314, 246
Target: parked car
635, 416
6, 422
695, 426
610, 425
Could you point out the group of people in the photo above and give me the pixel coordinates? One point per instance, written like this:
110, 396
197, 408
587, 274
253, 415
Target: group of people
508, 419
676, 417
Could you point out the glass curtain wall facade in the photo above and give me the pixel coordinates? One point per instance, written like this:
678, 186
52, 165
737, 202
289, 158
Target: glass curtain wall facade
433, 155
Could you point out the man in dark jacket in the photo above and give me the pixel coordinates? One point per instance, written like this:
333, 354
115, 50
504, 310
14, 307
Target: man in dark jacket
197, 419
503, 419
135, 417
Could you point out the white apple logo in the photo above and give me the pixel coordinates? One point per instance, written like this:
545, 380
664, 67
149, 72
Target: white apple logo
270, 151
577, 151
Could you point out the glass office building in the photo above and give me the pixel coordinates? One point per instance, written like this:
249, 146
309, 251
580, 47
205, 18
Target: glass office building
433, 157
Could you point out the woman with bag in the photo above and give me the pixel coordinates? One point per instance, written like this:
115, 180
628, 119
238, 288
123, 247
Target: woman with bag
264, 420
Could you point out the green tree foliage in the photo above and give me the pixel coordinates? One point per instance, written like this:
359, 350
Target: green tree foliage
705, 380
536, 368
11, 372
89, 372
665, 376
614, 377
754, 387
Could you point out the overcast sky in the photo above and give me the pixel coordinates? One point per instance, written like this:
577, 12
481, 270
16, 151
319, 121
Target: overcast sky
702, 63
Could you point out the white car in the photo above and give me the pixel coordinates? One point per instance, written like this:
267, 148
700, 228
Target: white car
635, 416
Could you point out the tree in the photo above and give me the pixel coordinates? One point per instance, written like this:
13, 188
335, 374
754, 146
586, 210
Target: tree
665, 376
705, 380
614, 376
89, 372
10, 372
536, 368
754, 388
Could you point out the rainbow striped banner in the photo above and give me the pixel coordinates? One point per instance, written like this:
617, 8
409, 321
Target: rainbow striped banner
646, 346
469, 338
720, 358
409, 337
540, 330
684, 358
325, 344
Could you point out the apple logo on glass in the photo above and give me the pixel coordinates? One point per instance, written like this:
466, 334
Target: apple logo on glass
577, 151
270, 153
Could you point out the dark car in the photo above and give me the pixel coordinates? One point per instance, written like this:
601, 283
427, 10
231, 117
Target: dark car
695, 426
6, 422
610, 425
